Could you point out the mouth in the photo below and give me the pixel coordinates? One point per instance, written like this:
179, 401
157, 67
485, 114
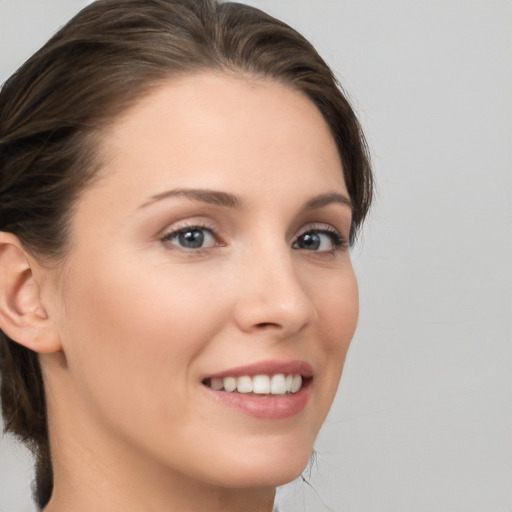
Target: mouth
279, 384
268, 390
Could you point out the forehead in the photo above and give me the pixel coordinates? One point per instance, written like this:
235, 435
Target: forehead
198, 130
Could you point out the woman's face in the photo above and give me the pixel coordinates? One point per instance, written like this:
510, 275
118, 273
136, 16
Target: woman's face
211, 251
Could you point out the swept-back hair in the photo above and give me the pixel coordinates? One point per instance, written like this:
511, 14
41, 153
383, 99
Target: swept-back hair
53, 109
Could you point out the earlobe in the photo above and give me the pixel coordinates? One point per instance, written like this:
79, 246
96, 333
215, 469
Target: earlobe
23, 316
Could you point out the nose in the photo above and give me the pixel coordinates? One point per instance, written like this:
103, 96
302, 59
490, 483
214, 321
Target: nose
272, 296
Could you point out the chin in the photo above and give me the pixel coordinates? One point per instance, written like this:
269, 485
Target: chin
275, 477
265, 468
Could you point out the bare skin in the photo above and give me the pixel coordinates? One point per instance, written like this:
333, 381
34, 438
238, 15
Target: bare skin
137, 318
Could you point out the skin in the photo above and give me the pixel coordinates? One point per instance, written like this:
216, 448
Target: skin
137, 320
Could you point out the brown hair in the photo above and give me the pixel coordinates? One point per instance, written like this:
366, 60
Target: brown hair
106, 58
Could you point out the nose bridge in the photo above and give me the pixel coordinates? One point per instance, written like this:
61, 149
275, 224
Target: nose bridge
272, 295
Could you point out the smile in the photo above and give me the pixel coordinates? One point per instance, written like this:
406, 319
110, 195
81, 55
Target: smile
270, 390
278, 384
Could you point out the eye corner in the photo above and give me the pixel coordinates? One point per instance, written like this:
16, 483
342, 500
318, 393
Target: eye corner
192, 239
320, 239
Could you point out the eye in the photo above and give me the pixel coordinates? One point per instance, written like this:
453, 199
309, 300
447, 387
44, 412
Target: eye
319, 240
191, 238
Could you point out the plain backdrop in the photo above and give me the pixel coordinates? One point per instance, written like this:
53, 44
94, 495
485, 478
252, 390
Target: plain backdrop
423, 418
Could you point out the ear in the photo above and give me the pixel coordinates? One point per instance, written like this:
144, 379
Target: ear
23, 316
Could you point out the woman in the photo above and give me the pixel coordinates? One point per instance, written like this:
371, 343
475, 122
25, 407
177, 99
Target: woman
180, 183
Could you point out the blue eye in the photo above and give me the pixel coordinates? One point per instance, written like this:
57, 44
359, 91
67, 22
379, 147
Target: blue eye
191, 238
319, 240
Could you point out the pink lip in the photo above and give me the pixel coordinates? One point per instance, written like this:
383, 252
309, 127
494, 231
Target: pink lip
266, 406
266, 368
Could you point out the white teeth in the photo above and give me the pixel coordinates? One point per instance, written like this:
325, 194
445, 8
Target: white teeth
229, 384
289, 380
244, 384
296, 383
261, 384
279, 384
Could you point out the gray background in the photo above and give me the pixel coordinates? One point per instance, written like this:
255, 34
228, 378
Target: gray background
423, 418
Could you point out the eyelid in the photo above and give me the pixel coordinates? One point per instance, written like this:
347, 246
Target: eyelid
178, 227
199, 222
321, 227
340, 242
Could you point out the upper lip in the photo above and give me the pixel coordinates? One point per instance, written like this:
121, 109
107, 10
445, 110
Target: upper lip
296, 367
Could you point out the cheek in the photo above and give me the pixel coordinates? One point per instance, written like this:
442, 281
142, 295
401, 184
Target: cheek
133, 336
338, 309
135, 306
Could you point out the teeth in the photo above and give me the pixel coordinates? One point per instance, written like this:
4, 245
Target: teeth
230, 384
278, 384
261, 384
244, 384
217, 384
296, 383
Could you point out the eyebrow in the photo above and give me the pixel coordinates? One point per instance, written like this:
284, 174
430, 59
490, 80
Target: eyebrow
228, 200
204, 195
327, 199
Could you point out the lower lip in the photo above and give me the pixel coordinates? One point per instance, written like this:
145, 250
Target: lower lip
270, 407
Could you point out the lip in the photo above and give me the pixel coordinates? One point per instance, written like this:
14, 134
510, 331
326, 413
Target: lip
269, 407
301, 368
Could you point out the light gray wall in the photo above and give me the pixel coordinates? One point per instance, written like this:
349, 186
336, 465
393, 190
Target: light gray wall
423, 419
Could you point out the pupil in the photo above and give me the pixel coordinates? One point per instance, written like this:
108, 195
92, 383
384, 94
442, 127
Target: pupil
311, 241
192, 239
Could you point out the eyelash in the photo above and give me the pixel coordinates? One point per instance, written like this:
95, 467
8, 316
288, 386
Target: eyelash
168, 237
339, 242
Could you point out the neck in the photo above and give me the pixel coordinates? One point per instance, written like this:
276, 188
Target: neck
75, 501
89, 482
